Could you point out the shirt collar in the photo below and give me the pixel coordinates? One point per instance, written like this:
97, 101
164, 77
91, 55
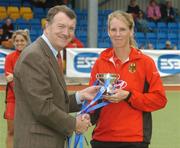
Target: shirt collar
115, 58
54, 51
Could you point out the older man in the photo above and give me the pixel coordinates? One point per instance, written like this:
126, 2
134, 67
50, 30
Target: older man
42, 101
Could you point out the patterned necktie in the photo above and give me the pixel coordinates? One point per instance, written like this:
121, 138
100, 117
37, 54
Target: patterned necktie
59, 59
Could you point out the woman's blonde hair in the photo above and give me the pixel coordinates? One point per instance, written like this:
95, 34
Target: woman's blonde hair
24, 33
128, 19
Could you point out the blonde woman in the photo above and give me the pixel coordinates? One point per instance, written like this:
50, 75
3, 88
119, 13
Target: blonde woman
126, 121
20, 39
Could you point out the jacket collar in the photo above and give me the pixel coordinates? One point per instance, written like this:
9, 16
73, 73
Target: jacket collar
108, 54
54, 51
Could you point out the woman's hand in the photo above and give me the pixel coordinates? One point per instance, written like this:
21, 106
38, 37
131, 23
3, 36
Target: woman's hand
117, 95
9, 77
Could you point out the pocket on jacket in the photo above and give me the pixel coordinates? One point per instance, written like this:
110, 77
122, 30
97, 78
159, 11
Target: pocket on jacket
42, 137
36, 128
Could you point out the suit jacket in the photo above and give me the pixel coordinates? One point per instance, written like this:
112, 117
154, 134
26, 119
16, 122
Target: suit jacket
164, 12
42, 101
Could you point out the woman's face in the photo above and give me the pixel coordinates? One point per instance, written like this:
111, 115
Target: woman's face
119, 33
20, 42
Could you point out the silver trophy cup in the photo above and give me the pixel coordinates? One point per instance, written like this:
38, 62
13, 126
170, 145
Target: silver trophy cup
102, 77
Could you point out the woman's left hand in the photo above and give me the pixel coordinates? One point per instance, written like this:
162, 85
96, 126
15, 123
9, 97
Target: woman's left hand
117, 95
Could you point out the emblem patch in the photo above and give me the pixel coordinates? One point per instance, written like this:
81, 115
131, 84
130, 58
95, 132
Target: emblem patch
132, 67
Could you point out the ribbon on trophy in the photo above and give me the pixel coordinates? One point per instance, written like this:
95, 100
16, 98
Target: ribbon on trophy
108, 82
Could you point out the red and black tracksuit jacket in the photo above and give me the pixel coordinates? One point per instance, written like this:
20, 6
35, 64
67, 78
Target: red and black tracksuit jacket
129, 121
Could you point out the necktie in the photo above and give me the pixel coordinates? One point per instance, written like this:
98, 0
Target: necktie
59, 59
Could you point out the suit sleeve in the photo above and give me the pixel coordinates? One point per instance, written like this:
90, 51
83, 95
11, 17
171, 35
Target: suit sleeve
36, 85
73, 106
155, 98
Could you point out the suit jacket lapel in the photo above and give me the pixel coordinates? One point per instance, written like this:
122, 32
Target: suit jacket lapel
53, 62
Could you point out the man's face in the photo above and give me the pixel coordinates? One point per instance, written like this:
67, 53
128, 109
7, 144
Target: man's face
60, 31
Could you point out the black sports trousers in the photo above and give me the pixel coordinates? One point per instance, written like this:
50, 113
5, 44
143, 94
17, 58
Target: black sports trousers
100, 144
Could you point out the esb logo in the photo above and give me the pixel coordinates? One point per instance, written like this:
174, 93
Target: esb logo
169, 63
2, 61
83, 62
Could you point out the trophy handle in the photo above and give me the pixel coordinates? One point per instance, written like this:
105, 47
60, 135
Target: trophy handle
99, 79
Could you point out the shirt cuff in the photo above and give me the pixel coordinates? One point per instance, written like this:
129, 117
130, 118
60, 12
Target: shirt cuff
128, 97
78, 98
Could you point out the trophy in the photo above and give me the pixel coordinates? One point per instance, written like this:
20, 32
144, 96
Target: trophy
102, 77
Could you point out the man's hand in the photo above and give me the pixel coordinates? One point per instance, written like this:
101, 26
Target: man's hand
9, 77
88, 93
82, 123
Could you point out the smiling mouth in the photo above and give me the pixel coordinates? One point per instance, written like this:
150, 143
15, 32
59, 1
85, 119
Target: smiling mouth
64, 39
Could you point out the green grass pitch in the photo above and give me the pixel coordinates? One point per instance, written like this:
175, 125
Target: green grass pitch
166, 123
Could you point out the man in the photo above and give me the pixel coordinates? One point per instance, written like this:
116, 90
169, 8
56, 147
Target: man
8, 28
168, 45
42, 101
6, 34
